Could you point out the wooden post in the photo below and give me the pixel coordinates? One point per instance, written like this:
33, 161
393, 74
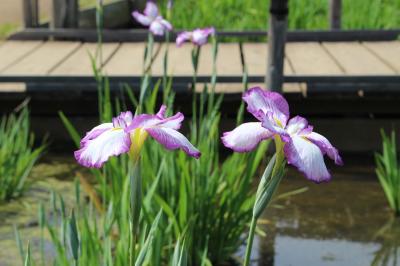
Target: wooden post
335, 14
65, 14
276, 44
31, 13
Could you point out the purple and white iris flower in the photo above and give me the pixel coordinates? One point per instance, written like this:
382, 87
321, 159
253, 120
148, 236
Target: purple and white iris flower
302, 147
198, 37
127, 133
152, 18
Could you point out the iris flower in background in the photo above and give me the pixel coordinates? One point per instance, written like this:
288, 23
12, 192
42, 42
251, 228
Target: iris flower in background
302, 147
170, 3
127, 133
197, 37
153, 19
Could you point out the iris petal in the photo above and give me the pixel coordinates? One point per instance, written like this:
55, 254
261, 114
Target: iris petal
95, 132
183, 37
142, 19
325, 146
308, 159
157, 28
172, 139
245, 137
200, 36
151, 10
173, 122
258, 100
96, 151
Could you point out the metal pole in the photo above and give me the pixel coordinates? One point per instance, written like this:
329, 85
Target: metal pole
65, 14
31, 13
276, 44
73, 14
335, 14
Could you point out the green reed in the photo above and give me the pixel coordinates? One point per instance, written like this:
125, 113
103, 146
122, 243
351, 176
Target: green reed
205, 206
388, 171
17, 154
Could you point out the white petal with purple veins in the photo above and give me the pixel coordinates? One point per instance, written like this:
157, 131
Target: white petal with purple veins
96, 131
151, 10
270, 124
142, 121
258, 100
162, 111
200, 36
296, 124
183, 37
245, 137
96, 151
308, 159
173, 122
325, 146
172, 139
166, 24
123, 120
142, 19
157, 28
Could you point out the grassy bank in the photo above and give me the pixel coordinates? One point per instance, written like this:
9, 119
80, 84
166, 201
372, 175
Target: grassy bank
6, 29
303, 14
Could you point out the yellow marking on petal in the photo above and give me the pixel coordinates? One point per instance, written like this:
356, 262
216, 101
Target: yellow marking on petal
116, 128
138, 136
278, 122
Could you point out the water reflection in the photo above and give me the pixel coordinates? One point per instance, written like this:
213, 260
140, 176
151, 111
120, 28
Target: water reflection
345, 222
389, 251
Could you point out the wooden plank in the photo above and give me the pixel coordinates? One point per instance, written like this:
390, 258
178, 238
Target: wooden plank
179, 61
355, 59
43, 60
389, 52
311, 59
228, 60
254, 54
128, 60
12, 51
12, 87
79, 64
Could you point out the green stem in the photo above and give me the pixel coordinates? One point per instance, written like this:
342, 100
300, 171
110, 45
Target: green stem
132, 246
250, 241
279, 154
135, 204
195, 62
268, 185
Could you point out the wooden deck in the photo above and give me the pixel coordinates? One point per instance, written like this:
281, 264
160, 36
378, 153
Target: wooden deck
309, 66
320, 76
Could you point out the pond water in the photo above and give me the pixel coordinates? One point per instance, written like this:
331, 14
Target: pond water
344, 222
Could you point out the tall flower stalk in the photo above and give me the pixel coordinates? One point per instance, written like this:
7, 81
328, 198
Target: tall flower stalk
158, 26
198, 37
295, 142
